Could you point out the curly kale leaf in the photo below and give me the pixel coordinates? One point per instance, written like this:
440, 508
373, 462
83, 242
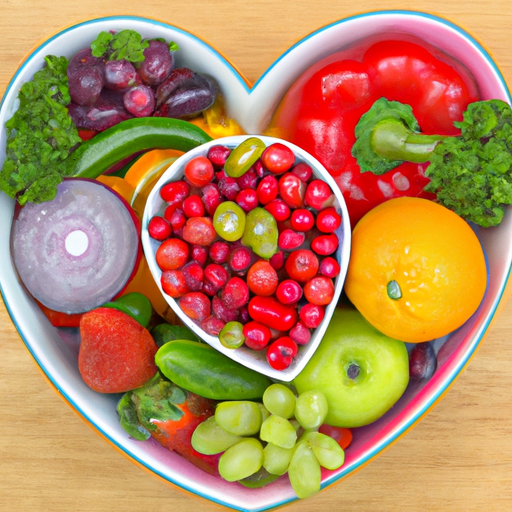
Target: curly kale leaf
40, 136
472, 174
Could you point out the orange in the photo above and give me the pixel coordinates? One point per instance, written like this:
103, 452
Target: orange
417, 270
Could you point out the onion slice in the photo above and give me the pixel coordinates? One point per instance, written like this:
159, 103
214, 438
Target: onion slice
79, 250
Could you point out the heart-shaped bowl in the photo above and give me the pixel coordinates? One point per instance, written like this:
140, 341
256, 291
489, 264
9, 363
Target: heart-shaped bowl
55, 351
253, 359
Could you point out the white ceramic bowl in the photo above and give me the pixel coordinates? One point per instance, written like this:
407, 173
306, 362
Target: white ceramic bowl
255, 360
56, 351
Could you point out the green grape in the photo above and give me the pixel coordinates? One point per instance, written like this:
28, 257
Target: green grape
276, 459
278, 430
208, 438
241, 460
311, 409
265, 413
229, 221
241, 418
304, 471
327, 451
243, 157
231, 335
280, 400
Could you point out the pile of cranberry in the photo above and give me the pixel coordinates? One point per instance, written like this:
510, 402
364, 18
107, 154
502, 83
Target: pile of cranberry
236, 290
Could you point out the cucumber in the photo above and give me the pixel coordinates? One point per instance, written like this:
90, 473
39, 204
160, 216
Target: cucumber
201, 369
95, 156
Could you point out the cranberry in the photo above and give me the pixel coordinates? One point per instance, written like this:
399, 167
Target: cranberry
195, 305
249, 179
319, 290
256, 335
159, 228
247, 199
303, 171
193, 206
212, 325
301, 265
328, 220
279, 209
172, 254
267, 189
216, 275
292, 190
243, 315
329, 267
289, 292
281, 352
194, 274
277, 260
289, 240
199, 253
325, 245
312, 315
177, 219
222, 312
262, 278
235, 293
219, 252
174, 283
318, 195
300, 333
277, 158
199, 171
170, 209
218, 155
258, 168
240, 259
229, 188
302, 219
175, 191
199, 231
211, 198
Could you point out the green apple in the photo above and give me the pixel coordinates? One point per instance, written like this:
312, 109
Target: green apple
361, 371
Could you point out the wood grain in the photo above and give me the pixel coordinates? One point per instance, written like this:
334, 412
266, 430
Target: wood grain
458, 458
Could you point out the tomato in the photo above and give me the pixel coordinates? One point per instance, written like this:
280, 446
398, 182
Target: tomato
417, 270
320, 111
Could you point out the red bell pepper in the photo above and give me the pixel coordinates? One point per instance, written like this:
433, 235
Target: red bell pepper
320, 111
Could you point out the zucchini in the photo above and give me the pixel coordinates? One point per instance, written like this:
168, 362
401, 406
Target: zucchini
201, 369
95, 156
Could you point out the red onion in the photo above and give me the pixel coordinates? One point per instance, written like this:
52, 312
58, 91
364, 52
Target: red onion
79, 250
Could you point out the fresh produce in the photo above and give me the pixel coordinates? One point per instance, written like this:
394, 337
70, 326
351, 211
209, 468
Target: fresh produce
84, 244
321, 109
281, 435
170, 415
470, 174
203, 370
422, 361
361, 371
135, 304
417, 270
117, 354
225, 257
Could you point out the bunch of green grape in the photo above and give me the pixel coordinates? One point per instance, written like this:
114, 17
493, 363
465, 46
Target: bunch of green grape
279, 436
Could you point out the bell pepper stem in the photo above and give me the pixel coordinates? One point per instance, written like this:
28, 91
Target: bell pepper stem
391, 139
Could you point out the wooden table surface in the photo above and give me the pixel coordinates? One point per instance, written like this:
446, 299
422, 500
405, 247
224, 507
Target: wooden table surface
458, 458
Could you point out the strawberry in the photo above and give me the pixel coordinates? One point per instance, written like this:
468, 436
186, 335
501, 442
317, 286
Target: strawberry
117, 353
170, 414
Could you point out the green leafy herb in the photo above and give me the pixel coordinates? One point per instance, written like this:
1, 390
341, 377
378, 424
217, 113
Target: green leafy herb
471, 174
40, 136
126, 44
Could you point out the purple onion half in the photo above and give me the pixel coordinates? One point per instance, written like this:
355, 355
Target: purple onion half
79, 250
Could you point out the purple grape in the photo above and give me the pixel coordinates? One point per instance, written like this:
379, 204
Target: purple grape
139, 100
191, 97
422, 361
85, 77
171, 83
120, 75
108, 111
157, 64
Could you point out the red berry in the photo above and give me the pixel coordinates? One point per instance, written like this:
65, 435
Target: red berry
199, 254
249, 179
301, 265
281, 352
279, 209
247, 199
267, 189
312, 315
159, 228
277, 158
211, 198
256, 335
328, 220
270, 312
219, 252
212, 325
195, 305
303, 171
177, 219
325, 245
218, 155
193, 206
300, 333
229, 188
277, 260
235, 293
222, 312
319, 290
292, 190
302, 219
193, 273
318, 195
199, 231
289, 240
216, 275
172, 254
175, 191
174, 283
199, 171
262, 278
329, 267
240, 259
289, 292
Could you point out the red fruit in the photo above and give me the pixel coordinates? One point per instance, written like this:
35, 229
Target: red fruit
195, 305
303, 171
328, 220
211, 198
193, 206
312, 315
279, 209
248, 180
199, 254
267, 189
270, 312
216, 275
219, 252
300, 333
329, 267
212, 325
218, 155
318, 195
262, 278
301, 265
290, 240
235, 293
319, 290
281, 352
325, 244
176, 218
116, 352
159, 228
228, 187
193, 273
175, 191
199, 171
292, 190
174, 283
277, 260
199, 231
172, 254
289, 292
277, 158
222, 312
247, 199
256, 335
240, 259
302, 220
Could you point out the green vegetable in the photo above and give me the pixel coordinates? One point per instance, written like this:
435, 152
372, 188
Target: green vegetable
470, 174
40, 136
163, 333
135, 304
203, 370
109, 147
126, 44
